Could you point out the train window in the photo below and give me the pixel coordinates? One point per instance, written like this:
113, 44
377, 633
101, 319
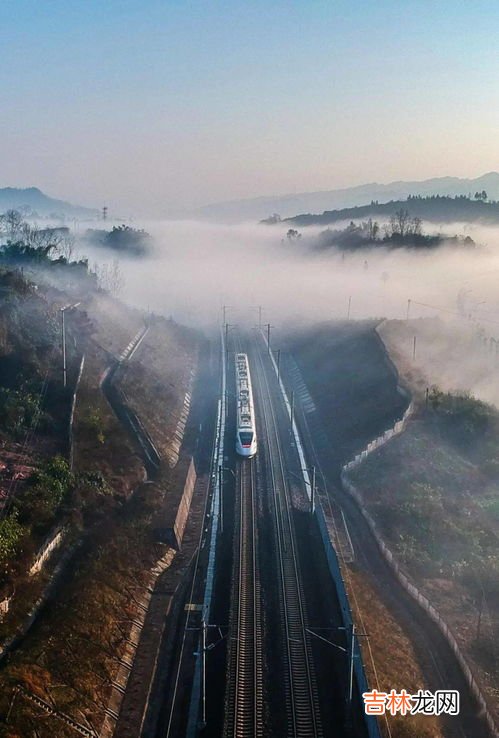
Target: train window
246, 437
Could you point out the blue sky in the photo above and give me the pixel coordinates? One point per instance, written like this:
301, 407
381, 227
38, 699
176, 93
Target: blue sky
155, 105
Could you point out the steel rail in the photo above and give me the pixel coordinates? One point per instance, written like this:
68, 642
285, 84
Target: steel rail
244, 703
304, 713
196, 558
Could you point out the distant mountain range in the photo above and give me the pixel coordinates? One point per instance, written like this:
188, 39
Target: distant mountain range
32, 201
317, 202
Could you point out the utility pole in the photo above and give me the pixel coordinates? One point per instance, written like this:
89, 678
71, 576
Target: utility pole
414, 349
15, 692
224, 312
104, 212
350, 681
221, 470
350, 652
349, 306
408, 309
268, 336
203, 652
63, 328
221, 497
227, 326
203, 648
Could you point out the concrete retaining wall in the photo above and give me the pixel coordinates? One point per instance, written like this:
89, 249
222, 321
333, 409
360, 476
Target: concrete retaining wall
142, 601
381, 440
174, 535
173, 452
4, 607
13, 641
415, 593
370, 721
72, 413
184, 505
53, 541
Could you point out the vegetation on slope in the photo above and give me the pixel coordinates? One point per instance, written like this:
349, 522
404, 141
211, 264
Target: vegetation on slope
402, 231
434, 493
436, 208
390, 663
71, 656
68, 659
124, 239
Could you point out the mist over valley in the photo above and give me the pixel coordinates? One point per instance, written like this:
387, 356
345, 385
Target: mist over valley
249, 356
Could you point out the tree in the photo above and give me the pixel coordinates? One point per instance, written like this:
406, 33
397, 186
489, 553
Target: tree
372, 229
65, 247
417, 226
399, 223
11, 222
132, 241
109, 277
274, 218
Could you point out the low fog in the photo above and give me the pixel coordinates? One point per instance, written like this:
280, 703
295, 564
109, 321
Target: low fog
198, 267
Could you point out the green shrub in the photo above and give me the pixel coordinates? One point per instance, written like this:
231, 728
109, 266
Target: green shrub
18, 410
93, 425
11, 532
47, 488
461, 417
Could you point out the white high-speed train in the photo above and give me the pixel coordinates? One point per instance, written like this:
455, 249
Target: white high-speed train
246, 443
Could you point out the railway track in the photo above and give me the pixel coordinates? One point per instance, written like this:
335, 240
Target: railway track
246, 692
244, 707
301, 688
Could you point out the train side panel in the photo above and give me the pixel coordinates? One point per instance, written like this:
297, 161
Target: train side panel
246, 440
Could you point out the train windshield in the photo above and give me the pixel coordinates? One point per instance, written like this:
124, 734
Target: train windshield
246, 437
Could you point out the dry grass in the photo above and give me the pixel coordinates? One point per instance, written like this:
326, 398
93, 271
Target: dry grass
389, 657
100, 442
158, 377
114, 323
69, 656
435, 501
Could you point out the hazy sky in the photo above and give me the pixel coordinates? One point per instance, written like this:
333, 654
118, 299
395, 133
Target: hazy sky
150, 105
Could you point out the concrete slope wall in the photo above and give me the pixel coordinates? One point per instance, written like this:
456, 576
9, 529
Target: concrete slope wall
415, 593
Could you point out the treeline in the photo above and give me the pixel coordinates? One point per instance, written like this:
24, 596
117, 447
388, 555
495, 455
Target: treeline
437, 208
402, 231
125, 239
24, 245
20, 239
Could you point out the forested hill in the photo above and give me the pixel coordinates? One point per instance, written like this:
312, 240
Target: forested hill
31, 201
435, 208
